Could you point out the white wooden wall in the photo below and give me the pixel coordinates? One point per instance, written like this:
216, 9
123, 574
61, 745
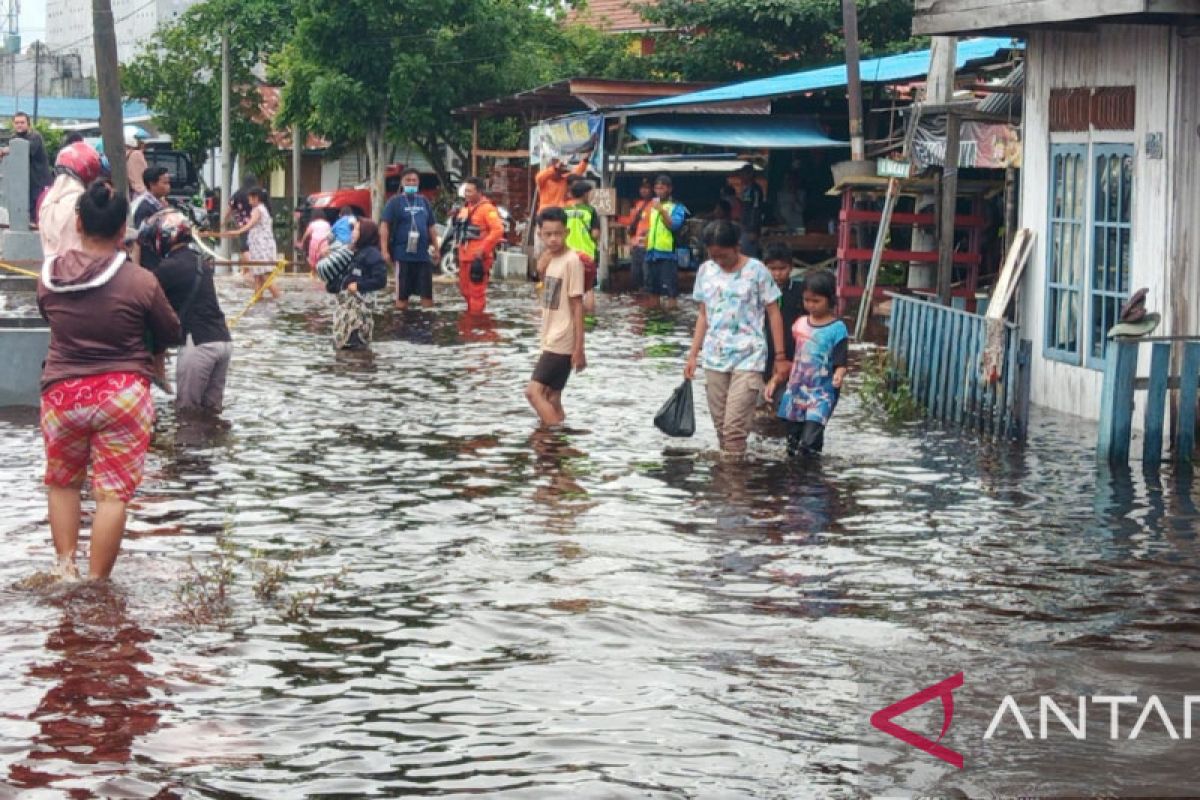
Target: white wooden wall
1127, 55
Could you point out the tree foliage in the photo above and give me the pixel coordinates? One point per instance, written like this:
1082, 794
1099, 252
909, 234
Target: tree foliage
717, 40
387, 73
180, 78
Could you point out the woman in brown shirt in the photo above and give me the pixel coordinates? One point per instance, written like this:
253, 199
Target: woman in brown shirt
96, 403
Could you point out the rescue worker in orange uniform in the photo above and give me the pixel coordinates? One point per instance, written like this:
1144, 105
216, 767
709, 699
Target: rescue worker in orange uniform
479, 231
552, 181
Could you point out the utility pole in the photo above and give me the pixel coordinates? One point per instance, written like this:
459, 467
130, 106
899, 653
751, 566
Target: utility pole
37, 78
108, 78
226, 143
298, 139
940, 91
853, 81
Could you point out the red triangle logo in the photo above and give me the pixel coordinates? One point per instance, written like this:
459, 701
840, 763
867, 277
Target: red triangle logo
882, 719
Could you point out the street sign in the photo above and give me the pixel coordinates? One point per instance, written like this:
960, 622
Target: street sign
887, 168
605, 201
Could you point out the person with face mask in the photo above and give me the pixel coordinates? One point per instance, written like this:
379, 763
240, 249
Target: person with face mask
408, 232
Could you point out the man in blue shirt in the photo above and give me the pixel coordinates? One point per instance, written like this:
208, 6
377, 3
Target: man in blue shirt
409, 234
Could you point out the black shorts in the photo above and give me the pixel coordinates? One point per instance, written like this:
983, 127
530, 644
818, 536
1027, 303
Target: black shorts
244, 243
552, 370
414, 277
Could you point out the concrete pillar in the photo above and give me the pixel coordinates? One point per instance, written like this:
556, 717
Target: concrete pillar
19, 242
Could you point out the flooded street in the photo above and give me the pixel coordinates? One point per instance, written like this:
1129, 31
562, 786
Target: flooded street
380, 581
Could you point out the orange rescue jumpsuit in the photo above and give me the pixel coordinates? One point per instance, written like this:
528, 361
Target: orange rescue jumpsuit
484, 231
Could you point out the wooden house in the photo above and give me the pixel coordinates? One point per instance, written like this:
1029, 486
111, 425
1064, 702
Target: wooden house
1111, 172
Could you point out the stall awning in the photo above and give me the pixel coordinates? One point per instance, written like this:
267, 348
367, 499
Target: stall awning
734, 130
889, 69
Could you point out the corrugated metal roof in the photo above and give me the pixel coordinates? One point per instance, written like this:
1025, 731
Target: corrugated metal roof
734, 130
78, 109
888, 69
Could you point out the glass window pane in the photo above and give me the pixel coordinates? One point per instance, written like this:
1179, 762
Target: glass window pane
1101, 211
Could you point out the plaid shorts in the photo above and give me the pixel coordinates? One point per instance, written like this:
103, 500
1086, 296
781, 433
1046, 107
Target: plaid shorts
106, 419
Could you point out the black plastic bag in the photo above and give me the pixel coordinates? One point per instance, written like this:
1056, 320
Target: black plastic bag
677, 417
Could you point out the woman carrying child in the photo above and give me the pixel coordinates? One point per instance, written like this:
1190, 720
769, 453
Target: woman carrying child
353, 282
822, 344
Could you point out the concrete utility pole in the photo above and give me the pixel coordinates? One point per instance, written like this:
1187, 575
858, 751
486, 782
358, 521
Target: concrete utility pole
858, 150
108, 78
226, 143
37, 78
940, 90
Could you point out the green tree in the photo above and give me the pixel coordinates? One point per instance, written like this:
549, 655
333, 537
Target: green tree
722, 40
381, 73
178, 79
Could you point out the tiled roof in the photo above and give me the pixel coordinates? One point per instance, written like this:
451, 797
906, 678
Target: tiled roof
612, 16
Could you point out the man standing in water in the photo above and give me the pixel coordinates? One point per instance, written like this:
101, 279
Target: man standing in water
408, 233
662, 263
479, 231
562, 320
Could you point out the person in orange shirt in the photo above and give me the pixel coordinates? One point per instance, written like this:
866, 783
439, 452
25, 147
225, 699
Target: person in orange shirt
480, 231
552, 181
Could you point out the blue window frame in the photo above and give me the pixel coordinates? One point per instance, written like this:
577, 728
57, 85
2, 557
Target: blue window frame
1065, 252
1111, 241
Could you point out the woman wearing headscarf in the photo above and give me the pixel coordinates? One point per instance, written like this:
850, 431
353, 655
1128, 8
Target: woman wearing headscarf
366, 273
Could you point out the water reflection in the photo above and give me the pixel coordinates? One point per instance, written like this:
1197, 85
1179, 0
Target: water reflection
591, 612
100, 698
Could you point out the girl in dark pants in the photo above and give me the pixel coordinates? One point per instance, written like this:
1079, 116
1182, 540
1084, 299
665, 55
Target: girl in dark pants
353, 316
819, 367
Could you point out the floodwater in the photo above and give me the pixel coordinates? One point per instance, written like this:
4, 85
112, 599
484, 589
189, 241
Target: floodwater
379, 580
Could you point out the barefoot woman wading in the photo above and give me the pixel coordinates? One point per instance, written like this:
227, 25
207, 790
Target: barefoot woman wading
96, 405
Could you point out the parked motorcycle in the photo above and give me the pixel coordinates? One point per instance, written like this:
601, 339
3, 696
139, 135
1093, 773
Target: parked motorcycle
450, 234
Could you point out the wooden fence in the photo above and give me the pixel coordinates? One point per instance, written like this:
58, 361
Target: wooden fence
1120, 384
940, 351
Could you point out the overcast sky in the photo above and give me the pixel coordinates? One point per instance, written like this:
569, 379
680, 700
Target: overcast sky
33, 21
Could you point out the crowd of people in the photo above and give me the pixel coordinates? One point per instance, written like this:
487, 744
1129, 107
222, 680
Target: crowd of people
122, 283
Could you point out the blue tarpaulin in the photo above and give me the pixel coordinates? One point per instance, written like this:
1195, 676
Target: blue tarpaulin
733, 130
72, 109
889, 69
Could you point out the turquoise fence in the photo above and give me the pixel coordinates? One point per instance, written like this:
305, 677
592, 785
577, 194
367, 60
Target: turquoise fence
940, 351
1121, 383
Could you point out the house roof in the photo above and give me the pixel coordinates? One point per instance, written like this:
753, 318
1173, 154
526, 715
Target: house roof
266, 113
885, 70
613, 16
573, 95
67, 109
734, 130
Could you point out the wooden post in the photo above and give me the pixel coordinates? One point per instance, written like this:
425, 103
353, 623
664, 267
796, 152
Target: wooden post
885, 224
945, 276
853, 81
1116, 402
608, 179
1156, 403
1189, 375
108, 80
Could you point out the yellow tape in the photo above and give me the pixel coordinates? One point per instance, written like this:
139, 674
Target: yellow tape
279, 265
19, 270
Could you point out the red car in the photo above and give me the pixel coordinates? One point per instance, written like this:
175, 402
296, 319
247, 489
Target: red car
359, 198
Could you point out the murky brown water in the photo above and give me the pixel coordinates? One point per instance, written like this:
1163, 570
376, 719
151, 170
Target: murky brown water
466, 607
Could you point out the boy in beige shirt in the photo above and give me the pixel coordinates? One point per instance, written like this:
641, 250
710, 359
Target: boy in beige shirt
562, 319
